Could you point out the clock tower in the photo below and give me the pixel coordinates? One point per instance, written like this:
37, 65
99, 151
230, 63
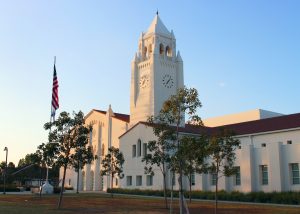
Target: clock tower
156, 72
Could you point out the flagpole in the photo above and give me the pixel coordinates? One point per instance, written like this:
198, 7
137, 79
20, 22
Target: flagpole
52, 119
51, 103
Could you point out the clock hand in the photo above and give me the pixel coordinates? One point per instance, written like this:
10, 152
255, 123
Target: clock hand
168, 80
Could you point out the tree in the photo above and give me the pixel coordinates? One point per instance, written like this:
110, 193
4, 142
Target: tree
221, 149
45, 157
67, 134
113, 165
185, 101
81, 157
166, 127
192, 152
160, 150
29, 159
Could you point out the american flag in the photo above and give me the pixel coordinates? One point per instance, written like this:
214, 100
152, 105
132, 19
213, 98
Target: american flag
55, 104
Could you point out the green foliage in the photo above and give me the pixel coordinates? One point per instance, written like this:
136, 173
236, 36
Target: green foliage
68, 137
56, 190
9, 188
221, 153
112, 164
221, 150
32, 158
256, 197
69, 188
67, 146
166, 152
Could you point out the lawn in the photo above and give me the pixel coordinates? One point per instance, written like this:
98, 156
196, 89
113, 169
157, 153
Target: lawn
101, 203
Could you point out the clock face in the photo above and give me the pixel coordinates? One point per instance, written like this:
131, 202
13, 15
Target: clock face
168, 81
144, 81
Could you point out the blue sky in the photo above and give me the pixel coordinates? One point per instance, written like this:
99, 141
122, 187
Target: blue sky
240, 55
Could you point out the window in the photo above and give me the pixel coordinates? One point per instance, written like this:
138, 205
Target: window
264, 174
129, 180
138, 180
214, 179
263, 145
139, 148
149, 180
150, 49
289, 142
193, 179
102, 149
133, 150
91, 137
238, 176
161, 49
295, 173
69, 182
117, 182
145, 54
168, 51
144, 149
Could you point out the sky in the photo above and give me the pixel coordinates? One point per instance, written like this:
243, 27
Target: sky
239, 55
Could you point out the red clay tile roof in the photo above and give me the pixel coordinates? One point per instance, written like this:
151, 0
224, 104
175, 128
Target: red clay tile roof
251, 127
265, 125
103, 112
123, 117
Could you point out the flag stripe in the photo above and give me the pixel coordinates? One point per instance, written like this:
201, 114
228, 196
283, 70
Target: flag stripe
55, 102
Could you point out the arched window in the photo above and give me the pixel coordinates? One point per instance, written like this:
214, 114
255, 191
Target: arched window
139, 148
92, 180
145, 54
168, 51
150, 49
161, 49
83, 181
102, 149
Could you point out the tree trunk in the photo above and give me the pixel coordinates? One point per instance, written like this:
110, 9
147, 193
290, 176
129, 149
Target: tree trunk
77, 191
190, 179
165, 190
180, 192
112, 185
62, 187
216, 194
41, 176
171, 204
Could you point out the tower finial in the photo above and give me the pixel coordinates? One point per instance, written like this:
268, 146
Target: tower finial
157, 12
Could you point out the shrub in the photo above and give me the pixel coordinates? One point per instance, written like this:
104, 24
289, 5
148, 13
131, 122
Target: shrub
69, 188
258, 197
9, 188
56, 190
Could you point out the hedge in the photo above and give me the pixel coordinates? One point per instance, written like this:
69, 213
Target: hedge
256, 197
9, 188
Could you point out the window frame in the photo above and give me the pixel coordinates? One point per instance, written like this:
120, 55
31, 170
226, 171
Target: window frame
264, 175
139, 180
134, 150
145, 149
149, 180
128, 178
295, 174
139, 148
237, 177
193, 179
214, 179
